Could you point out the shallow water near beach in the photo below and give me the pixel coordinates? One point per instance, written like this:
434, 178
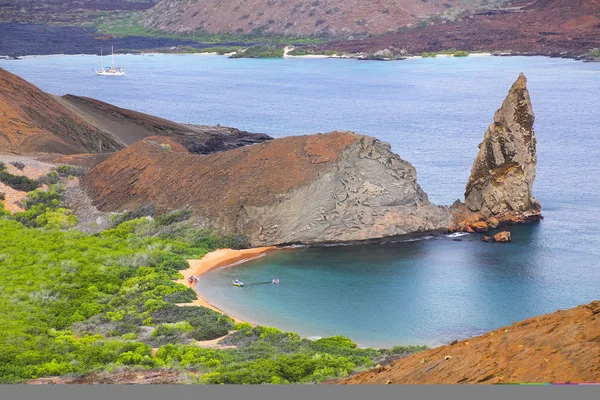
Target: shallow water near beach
434, 113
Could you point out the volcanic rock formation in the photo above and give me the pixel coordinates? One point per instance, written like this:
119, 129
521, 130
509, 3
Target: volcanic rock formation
502, 177
499, 189
32, 121
332, 187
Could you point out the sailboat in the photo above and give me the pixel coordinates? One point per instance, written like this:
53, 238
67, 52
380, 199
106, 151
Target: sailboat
109, 71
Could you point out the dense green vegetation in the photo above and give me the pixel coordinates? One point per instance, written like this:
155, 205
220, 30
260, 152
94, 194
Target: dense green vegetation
263, 51
456, 53
595, 53
460, 53
429, 54
17, 182
73, 303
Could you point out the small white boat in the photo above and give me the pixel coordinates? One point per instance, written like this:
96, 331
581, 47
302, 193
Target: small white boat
237, 283
109, 71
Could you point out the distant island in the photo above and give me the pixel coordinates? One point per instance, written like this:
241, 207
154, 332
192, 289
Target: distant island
387, 31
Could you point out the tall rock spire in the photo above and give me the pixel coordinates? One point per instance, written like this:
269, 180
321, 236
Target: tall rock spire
502, 176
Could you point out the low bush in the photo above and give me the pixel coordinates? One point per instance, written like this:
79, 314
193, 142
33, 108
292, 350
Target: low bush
173, 217
69, 170
17, 182
460, 53
259, 51
18, 165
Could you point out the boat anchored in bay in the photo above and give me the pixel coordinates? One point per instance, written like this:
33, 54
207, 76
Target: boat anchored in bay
109, 71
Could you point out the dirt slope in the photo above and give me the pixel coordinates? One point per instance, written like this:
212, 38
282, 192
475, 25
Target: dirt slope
547, 27
303, 189
32, 121
560, 347
127, 127
332, 17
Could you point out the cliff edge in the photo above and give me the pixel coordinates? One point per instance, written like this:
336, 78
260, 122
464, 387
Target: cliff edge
500, 188
558, 347
334, 187
33, 122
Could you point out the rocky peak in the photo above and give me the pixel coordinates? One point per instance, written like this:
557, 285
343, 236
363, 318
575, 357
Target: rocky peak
502, 176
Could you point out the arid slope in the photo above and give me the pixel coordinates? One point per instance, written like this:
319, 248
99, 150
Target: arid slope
304, 189
332, 17
560, 347
548, 27
32, 121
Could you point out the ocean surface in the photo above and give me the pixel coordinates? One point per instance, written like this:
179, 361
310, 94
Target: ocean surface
434, 113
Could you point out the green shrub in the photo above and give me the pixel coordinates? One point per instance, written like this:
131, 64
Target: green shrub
186, 296
50, 178
61, 218
429, 54
461, 53
69, 170
17, 182
173, 217
242, 326
260, 51
594, 53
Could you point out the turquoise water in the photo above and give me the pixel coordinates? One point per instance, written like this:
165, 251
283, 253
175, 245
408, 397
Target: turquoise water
434, 113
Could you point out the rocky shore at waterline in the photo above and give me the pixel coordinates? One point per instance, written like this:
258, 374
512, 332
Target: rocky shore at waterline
325, 188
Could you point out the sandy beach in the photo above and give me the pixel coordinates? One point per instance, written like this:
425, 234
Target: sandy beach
217, 259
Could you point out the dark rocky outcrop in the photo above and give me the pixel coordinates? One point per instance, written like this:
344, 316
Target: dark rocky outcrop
334, 187
502, 177
500, 188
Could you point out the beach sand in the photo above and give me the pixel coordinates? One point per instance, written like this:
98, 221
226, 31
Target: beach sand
217, 259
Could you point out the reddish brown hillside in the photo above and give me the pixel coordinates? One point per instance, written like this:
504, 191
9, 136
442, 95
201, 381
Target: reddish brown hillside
548, 27
32, 121
329, 187
560, 347
334, 17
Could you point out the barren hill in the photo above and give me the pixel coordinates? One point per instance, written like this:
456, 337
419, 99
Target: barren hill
548, 27
560, 347
332, 17
304, 189
32, 121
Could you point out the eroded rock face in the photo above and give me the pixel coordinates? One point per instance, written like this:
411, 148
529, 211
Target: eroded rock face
332, 187
368, 193
502, 176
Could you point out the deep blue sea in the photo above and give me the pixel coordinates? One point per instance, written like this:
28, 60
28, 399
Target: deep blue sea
434, 112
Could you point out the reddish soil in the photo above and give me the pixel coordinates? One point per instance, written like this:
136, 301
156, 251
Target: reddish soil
217, 186
560, 347
32, 121
568, 28
64, 11
123, 377
331, 17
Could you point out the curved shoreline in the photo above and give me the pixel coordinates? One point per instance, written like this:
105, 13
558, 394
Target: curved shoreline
218, 259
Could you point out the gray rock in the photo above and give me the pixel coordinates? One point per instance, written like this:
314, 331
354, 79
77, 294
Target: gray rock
368, 193
503, 173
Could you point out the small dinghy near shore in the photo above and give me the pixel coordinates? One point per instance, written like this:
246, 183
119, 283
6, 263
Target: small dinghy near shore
237, 283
